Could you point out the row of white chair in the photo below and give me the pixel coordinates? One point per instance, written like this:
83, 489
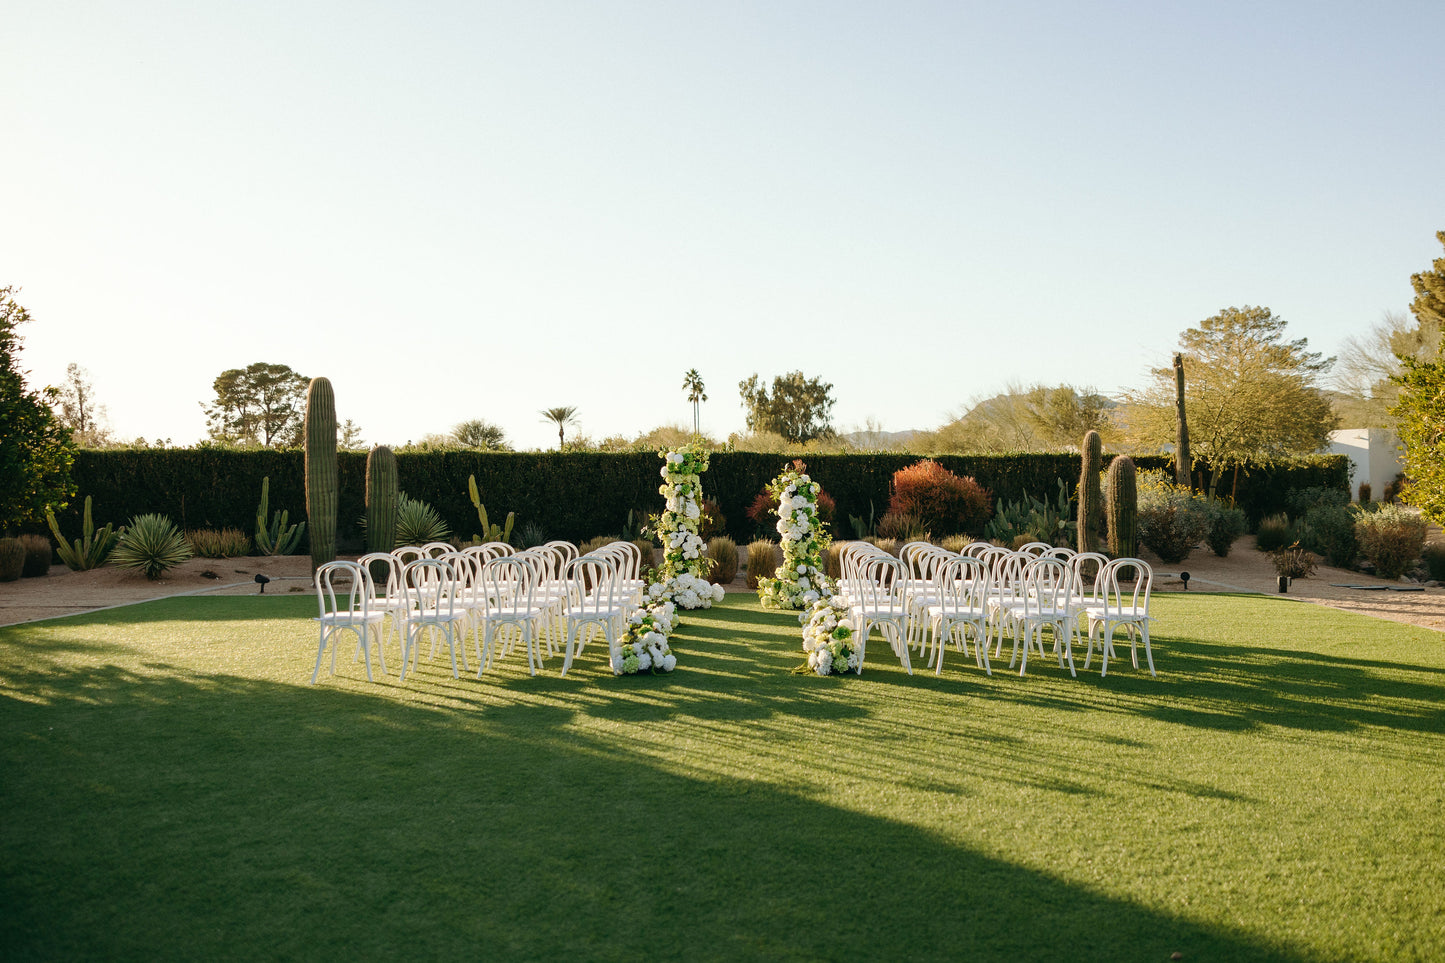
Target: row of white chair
545, 596
929, 596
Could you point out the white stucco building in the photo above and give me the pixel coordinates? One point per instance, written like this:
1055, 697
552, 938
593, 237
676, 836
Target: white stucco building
1375, 456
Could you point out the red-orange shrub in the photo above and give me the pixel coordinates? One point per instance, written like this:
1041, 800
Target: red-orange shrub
947, 503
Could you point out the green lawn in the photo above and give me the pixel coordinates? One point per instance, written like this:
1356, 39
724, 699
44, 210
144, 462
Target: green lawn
172, 788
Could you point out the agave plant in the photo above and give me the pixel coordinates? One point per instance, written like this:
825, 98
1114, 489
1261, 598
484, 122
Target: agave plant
418, 523
153, 544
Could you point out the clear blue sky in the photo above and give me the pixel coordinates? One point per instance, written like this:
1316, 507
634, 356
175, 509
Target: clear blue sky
462, 210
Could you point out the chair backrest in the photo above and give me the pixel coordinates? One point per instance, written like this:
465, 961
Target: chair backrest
566, 551
511, 580
881, 579
500, 548
851, 556
628, 556
1062, 552
1127, 584
465, 567
437, 549
961, 582
1036, 549
1089, 571
977, 549
1047, 585
408, 553
357, 592
1007, 571
430, 585
593, 583
385, 570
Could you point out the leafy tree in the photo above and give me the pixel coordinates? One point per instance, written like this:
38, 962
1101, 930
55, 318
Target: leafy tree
261, 404
1420, 407
1251, 396
1024, 419
349, 436
692, 382
478, 433
798, 408
561, 417
79, 411
37, 450
1369, 363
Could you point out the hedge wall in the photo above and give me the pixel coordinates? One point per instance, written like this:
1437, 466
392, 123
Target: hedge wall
573, 495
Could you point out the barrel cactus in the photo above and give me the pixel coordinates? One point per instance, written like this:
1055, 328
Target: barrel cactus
321, 483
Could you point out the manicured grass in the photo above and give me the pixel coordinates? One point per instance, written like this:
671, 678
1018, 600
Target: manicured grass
172, 788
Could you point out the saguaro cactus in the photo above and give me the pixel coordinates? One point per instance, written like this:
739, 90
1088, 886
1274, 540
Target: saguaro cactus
321, 483
1091, 498
1122, 508
1182, 464
381, 492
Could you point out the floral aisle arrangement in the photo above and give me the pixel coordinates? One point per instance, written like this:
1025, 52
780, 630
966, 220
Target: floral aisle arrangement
828, 639
643, 647
799, 581
681, 576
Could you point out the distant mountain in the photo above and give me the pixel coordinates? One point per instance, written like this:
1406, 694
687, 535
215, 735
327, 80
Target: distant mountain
879, 439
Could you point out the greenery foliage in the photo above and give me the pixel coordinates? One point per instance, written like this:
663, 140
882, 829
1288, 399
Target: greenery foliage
37, 556
219, 543
1329, 530
1172, 519
1031, 519
260, 404
276, 537
36, 449
1392, 538
88, 551
798, 408
1293, 562
1420, 414
12, 559
1226, 524
1274, 533
153, 544
724, 553
418, 523
764, 556
945, 502
1252, 396
1433, 555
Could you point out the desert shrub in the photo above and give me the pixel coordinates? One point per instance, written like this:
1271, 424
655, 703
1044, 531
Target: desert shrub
648, 550
531, 534
713, 521
12, 559
944, 501
1329, 530
889, 545
724, 553
222, 543
1365, 492
832, 562
37, 556
153, 544
1273, 533
1392, 538
904, 528
418, 523
1031, 519
1172, 519
1226, 523
764, 557
1300, 500
1433, 555
1391, 493
956, 543
593, 544
1293, 562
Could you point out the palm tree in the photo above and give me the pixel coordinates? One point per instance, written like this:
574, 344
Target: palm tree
692, 381
562, 417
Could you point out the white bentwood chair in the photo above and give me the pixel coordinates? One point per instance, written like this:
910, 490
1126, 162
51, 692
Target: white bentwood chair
1123, 607
354, 610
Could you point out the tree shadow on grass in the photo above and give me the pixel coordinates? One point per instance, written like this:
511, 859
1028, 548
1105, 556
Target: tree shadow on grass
194, 816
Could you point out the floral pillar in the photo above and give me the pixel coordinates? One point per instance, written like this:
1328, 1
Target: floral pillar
799, 580
681, 576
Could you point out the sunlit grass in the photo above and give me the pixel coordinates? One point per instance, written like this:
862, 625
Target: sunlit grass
173, 788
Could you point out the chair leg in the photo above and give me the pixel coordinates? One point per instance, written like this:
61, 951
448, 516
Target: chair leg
320, 654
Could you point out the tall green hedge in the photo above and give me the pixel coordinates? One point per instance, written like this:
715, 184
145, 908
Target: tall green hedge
573, 495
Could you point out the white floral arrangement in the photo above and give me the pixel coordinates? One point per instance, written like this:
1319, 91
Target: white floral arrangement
828, 639
684, 562
643, 647
686, 591
799, 581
